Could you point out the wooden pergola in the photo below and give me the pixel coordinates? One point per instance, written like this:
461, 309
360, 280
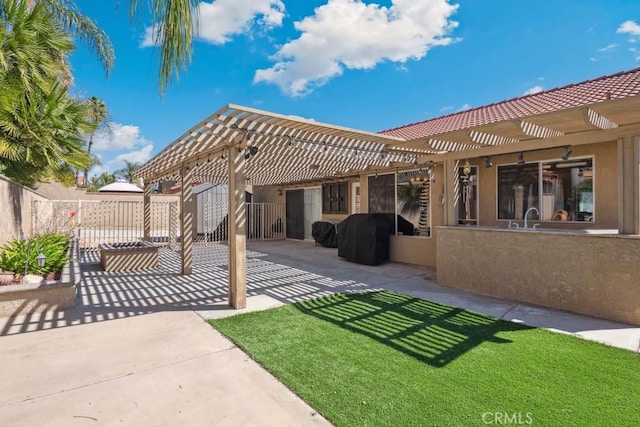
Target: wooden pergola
239, 145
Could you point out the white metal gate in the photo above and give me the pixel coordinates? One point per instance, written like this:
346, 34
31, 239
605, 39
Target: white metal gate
264, 222
106, 221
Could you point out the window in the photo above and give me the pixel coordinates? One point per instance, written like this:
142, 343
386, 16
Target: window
334, 198
407, 197
517, 190
561, 190
567, 190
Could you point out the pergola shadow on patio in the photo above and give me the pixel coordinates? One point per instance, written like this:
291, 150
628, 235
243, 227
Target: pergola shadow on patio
278, 272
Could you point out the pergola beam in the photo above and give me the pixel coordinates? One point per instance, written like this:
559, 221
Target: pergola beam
538, 131
597, 120
582, 138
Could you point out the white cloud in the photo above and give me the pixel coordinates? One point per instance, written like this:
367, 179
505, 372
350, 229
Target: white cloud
121, 137
629, 27
139, 156
296, 117
354, 35
464, 107
532, 90
221, 19
96, 171
608, 47
150, 37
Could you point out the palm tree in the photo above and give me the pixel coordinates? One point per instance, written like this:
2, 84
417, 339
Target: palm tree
40, 124
100, 181
66, 13
98, 117
127, 171
175, 21
31, 45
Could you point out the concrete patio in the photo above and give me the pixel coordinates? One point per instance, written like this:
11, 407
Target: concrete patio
136, 350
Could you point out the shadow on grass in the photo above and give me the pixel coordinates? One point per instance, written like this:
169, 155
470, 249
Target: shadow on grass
433, 333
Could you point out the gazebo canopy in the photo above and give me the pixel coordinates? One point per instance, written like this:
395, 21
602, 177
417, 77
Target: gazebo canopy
120, 187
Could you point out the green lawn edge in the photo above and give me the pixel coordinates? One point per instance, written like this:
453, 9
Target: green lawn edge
384, 358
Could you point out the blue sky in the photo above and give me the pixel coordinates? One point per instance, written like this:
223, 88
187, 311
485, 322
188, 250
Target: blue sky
366, 65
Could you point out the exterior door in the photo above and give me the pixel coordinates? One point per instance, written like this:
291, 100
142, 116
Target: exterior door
312, 209
295, 214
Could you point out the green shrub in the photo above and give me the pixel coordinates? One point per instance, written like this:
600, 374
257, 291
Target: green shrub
54, 246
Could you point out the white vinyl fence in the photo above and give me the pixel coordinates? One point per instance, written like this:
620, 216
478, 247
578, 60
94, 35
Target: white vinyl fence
106, 221
110, 221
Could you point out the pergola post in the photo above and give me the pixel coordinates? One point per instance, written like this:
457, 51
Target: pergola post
146, 208
451, 192
186, 222
237, 230
629, 185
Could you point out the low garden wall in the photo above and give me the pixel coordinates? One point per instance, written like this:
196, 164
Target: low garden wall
29, 298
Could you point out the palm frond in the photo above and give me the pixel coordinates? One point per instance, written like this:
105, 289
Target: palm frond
67, 13
177, 21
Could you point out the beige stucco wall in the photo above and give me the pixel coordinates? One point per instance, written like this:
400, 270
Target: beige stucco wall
268, 195
413, 250
588, 274
16, 203
605, 184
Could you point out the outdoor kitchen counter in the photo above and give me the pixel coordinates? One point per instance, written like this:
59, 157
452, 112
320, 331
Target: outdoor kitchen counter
575, 270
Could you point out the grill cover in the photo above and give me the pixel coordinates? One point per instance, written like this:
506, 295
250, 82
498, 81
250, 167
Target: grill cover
364, 238
324, 233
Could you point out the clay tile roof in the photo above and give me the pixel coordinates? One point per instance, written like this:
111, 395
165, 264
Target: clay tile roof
615, 86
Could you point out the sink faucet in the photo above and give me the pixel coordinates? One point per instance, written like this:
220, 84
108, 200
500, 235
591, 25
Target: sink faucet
527, 214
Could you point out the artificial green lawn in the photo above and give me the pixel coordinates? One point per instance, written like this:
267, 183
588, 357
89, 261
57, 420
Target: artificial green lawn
388, 359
